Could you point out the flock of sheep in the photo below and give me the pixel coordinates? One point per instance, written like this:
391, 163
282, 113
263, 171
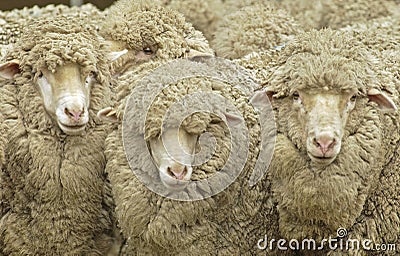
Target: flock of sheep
330, 71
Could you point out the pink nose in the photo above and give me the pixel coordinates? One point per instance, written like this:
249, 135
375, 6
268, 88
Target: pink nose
177, 173
324, 142
75, 115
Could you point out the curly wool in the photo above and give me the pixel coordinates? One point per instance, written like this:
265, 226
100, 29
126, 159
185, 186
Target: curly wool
157, 225
12, 22
3, 143
350, 193
3, 130
338, 13
204, 15
56, 194
253, 28
142, 24
382, 38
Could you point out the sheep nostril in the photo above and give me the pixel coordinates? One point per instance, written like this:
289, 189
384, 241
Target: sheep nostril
325, 143
75, 115
185, 171
170, 173
315, 142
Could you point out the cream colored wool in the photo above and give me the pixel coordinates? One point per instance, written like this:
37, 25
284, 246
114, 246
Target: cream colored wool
252, 29
154, 225
382, 37
204, 15
338, 13
56, 196
3, 141
12, 22
143, 24
360, 190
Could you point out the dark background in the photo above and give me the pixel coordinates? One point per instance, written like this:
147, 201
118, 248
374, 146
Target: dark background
11, 4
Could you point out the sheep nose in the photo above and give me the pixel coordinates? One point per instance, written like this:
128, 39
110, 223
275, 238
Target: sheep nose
74, 114
324, 142
177, 172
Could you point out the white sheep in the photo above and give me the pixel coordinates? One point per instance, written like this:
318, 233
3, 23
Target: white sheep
55, 195
157, 225
336, 156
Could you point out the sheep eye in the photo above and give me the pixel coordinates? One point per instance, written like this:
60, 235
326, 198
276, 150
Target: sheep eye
147, 51
296, 96
40, 74
353, 98
90, 78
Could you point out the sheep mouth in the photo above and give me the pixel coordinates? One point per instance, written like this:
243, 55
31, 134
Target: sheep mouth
322, 159
172, 183
72, 129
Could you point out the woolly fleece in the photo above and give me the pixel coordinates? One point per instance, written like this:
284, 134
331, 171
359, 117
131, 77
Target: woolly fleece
338, 13
253, 28
222, 224
360, 190
56, 194
140, 24
204, 15
12, 22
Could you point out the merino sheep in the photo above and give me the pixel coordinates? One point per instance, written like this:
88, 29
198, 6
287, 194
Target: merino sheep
139, 31
223, 223
337, 13
55, 196
336, 156
251, 29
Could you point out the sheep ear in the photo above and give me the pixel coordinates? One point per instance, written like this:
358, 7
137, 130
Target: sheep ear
193, 54
384, 102
112, 56
107, 114
233, 120
116, 50
9, 69
261, 98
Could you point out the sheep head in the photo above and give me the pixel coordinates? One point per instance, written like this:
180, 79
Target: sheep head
321, 80
332, 132
173, 154
140, 31
322, 116
65, 93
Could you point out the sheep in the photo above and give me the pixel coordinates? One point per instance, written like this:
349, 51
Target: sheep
136, 55
55, 195
153, 224
142, 31
338, 13
336, 160
253, 28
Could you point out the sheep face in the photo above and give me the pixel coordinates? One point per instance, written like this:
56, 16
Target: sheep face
323, 117
66, 95
173, 154
122, 57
